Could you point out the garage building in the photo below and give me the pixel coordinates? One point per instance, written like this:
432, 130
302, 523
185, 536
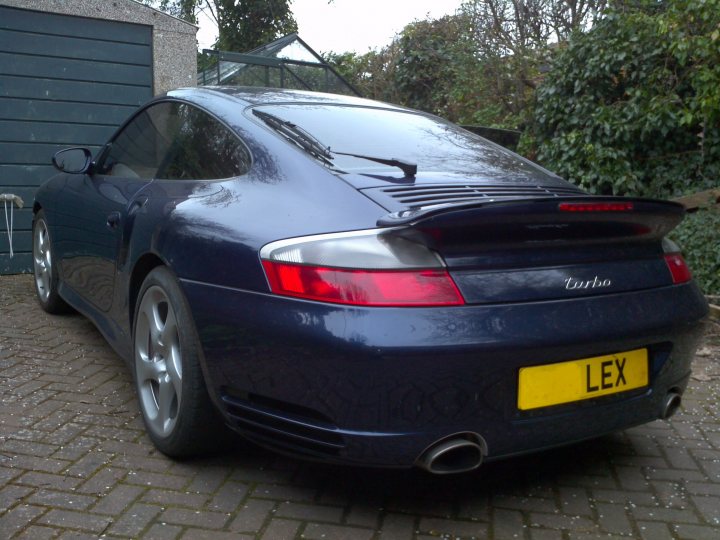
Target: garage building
71, 71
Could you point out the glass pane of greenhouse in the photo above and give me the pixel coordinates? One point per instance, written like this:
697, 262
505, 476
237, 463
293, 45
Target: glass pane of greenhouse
288, 62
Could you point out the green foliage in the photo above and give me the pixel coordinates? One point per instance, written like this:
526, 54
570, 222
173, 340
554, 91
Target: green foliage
242, 24
632, 106
246, 24
433, 65
699, 237
372, 73
183, 9
433, 57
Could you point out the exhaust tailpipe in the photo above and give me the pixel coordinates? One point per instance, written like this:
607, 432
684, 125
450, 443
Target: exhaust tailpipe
670, 405
455, 454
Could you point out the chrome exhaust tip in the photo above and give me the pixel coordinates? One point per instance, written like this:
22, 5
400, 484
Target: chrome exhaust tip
458, 453
670, 405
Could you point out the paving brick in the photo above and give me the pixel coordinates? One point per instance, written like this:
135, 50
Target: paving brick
87, 465
654, 531
575, 501
397, 527
363, 516
69, 519
18, 518
284, 492
61, 499
9, 495
507, 524
696, 532
632, 479
7, 474
309, 512
315, 531
117, 499
33, 463
209, 480
77, 535
680, 458
228, 497
632, 498
165, 497
562, 521
103, 481
30, 448
252, 515
163, 531
455, 528
424, 506
134, 520
711, 468
65, 439
671, 515
167, 481
45, 480
533, 504
202, 534
281, 529
702, 488
675, 475
37, 532
613, 518
197, 518
709, 508
146, 464
545, 534
477, 508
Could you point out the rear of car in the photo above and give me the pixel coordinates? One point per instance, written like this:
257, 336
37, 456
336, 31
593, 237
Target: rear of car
493, 310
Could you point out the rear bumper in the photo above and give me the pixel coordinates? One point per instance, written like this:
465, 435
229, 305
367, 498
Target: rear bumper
376, 386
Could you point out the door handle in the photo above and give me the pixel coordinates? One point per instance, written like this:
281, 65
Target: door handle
113, 219
138, 204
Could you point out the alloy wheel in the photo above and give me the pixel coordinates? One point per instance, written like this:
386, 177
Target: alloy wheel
158, 361
42, 260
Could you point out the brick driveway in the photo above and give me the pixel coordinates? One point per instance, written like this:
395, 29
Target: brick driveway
75, 463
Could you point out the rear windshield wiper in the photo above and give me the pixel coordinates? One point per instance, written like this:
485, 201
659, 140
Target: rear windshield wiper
315, 148
410, 169
297, 135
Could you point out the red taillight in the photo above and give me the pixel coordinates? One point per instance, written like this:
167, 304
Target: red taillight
596, 207
363, 287
678, 268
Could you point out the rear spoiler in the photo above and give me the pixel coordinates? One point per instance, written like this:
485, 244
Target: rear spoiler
591, 217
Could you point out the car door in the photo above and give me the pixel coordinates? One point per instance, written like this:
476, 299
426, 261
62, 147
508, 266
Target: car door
99, 207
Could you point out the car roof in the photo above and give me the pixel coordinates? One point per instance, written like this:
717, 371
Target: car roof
248, 96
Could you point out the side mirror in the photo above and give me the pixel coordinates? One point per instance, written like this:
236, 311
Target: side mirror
73, 160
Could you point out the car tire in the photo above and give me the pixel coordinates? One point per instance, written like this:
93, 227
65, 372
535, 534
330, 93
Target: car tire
173, 398
45, 272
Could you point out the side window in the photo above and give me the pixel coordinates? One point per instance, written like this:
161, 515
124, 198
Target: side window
140, 148
203, 149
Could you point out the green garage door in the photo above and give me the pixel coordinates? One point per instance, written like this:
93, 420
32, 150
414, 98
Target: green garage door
64, 81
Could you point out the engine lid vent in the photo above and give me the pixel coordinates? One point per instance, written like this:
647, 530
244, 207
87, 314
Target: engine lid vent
396, 198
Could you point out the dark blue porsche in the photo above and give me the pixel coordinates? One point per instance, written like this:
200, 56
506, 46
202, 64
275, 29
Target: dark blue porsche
355, 282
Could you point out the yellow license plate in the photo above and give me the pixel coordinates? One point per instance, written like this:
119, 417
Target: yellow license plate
565, 382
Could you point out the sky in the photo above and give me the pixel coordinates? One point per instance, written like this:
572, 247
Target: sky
351, 25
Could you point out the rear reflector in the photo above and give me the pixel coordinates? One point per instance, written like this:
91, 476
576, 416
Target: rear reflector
678, 268
596, 207
363, 287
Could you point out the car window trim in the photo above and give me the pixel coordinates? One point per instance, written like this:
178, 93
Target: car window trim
105, 149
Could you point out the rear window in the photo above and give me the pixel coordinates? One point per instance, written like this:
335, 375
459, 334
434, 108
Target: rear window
430, 142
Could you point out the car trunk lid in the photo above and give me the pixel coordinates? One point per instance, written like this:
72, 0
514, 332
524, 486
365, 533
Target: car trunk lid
521, 247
